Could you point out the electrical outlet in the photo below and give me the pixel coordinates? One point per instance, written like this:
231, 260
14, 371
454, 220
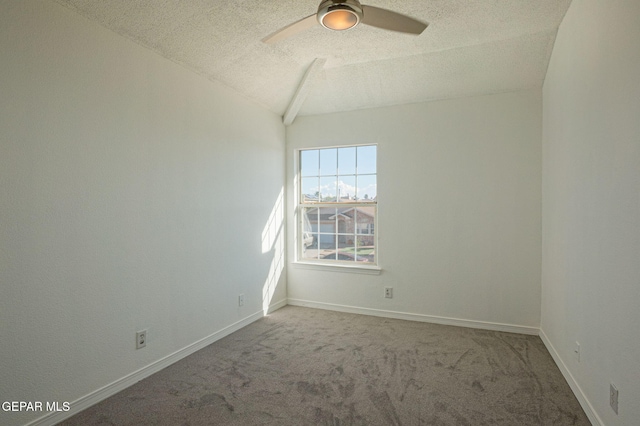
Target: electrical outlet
388, 292
241, 300
576, 351
141, 339
613, 397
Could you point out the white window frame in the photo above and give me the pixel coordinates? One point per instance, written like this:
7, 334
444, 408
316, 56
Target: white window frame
301, 233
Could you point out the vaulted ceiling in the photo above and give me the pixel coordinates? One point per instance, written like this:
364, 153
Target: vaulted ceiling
471, 47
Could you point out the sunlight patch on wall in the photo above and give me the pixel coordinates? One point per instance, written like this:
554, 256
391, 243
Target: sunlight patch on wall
273, 240
274, 224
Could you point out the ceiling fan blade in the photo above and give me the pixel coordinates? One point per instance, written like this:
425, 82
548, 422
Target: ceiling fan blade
293, 29
388, 20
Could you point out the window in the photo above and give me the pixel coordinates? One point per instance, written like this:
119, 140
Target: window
337, 205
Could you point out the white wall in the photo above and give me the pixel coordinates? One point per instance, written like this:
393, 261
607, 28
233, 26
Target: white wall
591, 204
459, 210
134, 194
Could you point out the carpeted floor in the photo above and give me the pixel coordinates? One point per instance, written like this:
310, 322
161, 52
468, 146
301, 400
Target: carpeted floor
301, 366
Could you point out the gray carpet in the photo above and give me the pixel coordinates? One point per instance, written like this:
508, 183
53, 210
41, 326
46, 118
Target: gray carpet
301, 366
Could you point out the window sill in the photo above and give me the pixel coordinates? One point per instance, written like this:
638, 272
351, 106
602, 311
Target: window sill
356, 269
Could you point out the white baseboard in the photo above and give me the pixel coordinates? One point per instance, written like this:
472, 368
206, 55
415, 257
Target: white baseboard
275, 306
133, 378
493, 326
582, 398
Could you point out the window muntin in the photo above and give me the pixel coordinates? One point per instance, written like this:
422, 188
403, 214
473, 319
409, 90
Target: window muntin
338, 205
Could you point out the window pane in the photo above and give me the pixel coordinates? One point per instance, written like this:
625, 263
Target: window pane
346, 226
347, 253
366, 159
310, 219
365, 218
309, 162
365, 244
327, 231
309, 237
310, 246
347, 187
328, 189
347, 161
366, 254
367, 188
328, 162
310, 189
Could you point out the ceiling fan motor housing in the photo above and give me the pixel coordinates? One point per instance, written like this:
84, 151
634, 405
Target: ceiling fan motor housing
339, 15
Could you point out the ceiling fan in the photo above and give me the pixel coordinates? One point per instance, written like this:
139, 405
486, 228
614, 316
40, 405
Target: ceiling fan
339, 15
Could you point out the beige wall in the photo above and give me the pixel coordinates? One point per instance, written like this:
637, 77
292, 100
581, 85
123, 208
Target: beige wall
591, 205
135, 195
459, 211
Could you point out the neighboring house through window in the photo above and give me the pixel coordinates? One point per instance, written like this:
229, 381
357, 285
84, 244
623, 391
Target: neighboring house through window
338, 205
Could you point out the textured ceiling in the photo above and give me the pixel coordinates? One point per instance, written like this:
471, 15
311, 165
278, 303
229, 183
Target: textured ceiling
471, 47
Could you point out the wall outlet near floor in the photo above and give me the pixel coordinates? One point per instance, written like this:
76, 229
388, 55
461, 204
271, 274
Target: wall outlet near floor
576, 351
613, 397
388, 292
141, 339
241, 300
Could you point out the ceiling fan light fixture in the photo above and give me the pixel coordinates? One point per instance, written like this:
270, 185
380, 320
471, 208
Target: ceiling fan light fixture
339, 20
339, 15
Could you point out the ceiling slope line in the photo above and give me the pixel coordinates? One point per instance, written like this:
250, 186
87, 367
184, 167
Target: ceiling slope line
303, 90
